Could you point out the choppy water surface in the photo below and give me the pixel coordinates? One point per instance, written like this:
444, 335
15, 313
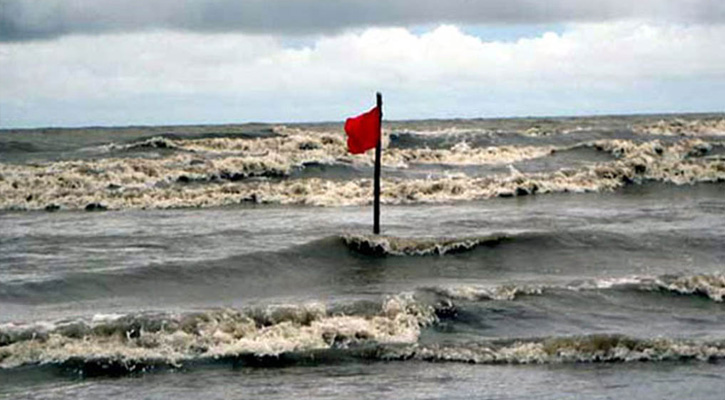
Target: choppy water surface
547, 258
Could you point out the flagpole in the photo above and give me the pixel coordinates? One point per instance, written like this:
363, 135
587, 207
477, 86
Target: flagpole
378, 155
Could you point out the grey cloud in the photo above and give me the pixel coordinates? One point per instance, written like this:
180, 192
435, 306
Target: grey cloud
29, 19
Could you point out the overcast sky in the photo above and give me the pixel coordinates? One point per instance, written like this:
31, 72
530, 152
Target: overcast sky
112, 62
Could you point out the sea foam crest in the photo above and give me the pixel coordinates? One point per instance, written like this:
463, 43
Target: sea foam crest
481, 292
400, 246
156, 142
683, 127
171, 340
711, 286
163, 183
555, 350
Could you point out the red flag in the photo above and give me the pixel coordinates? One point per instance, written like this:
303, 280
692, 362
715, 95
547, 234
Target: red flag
363, 131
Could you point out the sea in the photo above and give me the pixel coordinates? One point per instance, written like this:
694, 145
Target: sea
547, 258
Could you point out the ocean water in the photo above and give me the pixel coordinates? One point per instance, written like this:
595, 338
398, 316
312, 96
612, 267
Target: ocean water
566, 258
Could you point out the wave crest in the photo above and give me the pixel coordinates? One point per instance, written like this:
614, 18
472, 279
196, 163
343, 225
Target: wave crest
577, 349
478, 293
161, 183
156, 142
711, 286
171, 340
683, 127
399, 246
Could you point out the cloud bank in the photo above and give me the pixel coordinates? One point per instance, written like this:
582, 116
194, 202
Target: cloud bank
27, 20
167, 77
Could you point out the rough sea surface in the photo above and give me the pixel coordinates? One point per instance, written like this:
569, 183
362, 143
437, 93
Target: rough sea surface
564, 258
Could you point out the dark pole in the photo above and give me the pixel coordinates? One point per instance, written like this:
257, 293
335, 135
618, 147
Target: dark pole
378, 154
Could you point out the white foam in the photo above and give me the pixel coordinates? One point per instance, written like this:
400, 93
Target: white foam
479, 292
223, 333
152, 183
557, 350
683, 127
402, 246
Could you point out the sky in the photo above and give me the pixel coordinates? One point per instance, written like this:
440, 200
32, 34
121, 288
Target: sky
165, 62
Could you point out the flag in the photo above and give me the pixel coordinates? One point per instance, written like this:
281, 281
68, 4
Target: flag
363, 131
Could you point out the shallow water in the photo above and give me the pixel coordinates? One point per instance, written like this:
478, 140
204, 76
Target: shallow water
388, 380
607, 281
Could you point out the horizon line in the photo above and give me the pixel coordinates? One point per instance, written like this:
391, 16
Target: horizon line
330, 122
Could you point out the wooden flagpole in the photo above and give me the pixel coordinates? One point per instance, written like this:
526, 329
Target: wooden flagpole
378, 155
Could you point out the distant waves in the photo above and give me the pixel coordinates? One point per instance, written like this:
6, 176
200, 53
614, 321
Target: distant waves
263, 173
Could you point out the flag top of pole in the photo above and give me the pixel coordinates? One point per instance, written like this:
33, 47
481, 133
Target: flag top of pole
363, 133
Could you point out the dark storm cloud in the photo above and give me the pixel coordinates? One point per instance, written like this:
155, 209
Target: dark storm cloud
43, 19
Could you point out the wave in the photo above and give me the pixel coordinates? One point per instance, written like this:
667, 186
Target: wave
240, 271
683, 127
162, 183
478, 293
463, 154
556, 350
133, 340
231, 275
156, 142
13, 146
500, 128
387, 329
398, 246
711, 286
298, 145
214, 339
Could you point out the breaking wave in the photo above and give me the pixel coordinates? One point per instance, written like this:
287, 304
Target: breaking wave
556, 350
711, 286
189, 179
129, 345
156, 142
389, 329
398, 246
137, 340
296, 143
479, 293
683, 127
